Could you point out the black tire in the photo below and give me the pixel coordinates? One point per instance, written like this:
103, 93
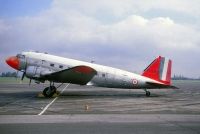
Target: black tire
49, 91
148, 93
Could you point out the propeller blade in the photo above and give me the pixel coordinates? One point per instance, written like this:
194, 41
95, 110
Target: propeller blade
24, 72
30, 82
23, 76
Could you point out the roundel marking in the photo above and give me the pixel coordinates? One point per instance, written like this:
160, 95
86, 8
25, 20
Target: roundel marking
135, 82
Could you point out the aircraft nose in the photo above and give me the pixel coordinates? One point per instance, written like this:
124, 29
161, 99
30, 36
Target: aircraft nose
13, 61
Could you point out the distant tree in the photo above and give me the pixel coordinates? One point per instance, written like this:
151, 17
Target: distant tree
3, 74
180, 77
9, 74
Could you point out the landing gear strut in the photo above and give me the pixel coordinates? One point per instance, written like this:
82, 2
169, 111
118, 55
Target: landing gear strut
49, 91
147, 93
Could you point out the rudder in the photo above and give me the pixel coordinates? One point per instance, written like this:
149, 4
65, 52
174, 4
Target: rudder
160, 70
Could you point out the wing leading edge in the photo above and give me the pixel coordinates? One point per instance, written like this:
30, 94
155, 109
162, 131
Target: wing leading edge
75, 75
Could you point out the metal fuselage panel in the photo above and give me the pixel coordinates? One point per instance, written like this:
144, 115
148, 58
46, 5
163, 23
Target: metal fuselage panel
40, 64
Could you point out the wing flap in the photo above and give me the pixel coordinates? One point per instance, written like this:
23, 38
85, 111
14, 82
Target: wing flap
76, 75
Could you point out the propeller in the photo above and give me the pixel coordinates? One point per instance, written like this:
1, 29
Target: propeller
30, 82
23, 75
24, 71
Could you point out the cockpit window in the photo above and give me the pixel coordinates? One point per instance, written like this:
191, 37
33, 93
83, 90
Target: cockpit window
20, 56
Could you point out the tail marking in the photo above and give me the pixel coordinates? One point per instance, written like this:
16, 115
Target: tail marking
160, 70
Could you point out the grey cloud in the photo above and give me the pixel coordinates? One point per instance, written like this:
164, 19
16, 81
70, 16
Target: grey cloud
129, 43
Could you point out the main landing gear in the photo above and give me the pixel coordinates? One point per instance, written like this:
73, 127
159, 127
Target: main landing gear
147, 93
50, 91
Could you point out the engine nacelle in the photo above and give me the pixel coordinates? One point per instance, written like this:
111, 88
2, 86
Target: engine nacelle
36, 72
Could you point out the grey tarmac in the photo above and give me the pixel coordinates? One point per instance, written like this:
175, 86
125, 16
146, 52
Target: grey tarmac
81, 109
100, 124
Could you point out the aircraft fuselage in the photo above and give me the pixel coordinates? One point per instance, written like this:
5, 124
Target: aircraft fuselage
40, 64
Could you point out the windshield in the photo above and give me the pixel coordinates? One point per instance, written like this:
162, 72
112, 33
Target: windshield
20, 56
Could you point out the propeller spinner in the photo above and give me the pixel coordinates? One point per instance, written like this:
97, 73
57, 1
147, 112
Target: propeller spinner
15, 63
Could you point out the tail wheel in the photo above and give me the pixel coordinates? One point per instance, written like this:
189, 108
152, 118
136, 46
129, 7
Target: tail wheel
49, 91
148, 93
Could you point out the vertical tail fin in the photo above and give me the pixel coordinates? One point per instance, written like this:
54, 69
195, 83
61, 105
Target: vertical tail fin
160, 70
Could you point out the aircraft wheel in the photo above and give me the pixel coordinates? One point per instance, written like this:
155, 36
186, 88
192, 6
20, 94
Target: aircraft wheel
49, 91
148, 93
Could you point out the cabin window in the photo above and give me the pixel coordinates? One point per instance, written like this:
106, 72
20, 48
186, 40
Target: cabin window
61, 66
52, 65
43, 61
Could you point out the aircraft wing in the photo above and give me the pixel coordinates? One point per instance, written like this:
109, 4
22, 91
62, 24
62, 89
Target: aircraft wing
75, 75
161, 85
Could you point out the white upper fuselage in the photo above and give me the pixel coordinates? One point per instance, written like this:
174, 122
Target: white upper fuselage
106, 76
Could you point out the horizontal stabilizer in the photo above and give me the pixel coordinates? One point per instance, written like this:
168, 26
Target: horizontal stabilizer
158, 85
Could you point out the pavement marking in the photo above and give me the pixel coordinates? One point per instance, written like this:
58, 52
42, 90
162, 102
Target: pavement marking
47, 106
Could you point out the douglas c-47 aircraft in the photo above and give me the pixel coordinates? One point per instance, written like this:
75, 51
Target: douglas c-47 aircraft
43, 67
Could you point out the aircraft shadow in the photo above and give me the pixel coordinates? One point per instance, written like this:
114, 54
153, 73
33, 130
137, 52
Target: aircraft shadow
107, 95
77, 94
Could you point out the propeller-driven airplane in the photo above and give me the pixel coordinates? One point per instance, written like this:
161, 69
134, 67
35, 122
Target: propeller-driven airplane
43, 67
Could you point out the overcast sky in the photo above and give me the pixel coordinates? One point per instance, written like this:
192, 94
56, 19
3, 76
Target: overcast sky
126, 34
